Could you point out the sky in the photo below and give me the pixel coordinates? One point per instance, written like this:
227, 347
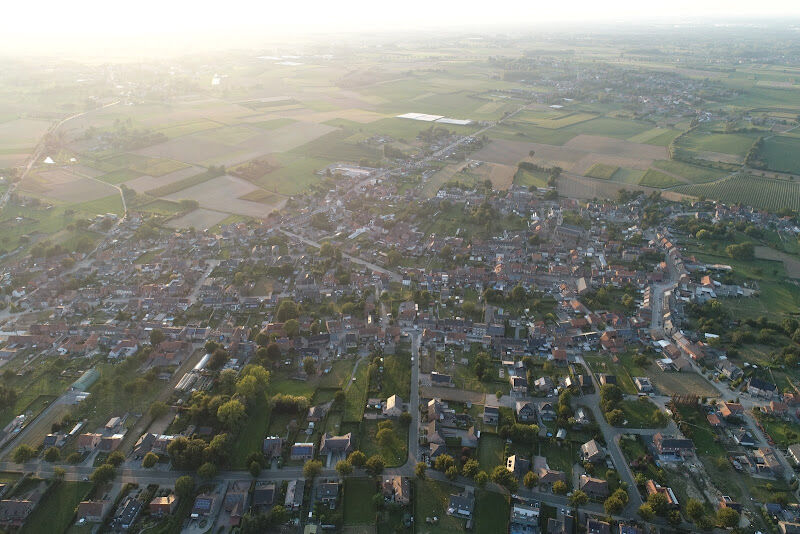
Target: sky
56, 24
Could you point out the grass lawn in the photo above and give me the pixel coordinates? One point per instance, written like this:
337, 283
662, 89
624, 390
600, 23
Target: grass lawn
395, 454
430, 500
781, 432
251, 437
490, 451
356, 395
639, 412
491, 512
397, 375
358, 506
56, 510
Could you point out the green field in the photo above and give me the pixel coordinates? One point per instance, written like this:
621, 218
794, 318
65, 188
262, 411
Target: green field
782, 153
602, 171
251, 437
490, 451
692, 173
553, 119
356, 395
628, 176
56, 510
144, 164
119, 176
430, 500
656, 136
658, 179
492, 511
180, 185
639, 412
394, 454
359, 508
530, 178
161, 207
703, 141
764, 193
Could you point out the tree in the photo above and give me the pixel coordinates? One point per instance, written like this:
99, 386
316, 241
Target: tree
559, 487
231, 413
503, 477
287, 310
695, 510
273, 353
150, 460
470, 468
481, 365
646, 512
291, 328
309, 366
385, 437
158, 409
59, 473
443, 462
207, 471
357, 458
578, 498
613, 505
312, 468
727, 517
74, 458
530, 479
52, 454
116, 458
156, 337
481, 479
255, 468
374, 465
659, 503
451, 473
184, 487
420, 469
23, 453
103, 474
615, 417
405, 419
218, 358
344, 468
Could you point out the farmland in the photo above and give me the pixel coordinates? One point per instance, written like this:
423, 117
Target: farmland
782, 153
764, 193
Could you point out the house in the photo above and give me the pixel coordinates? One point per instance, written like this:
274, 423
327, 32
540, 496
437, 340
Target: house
491, 415
439, 379
653, 488
786, 527
263, 497
127, 514
272, 447
713, 420
88, 442
394, 406
328, 493
519, 384
294, 495
235, 502
761, 388
743, 437
591, 451
161, 506
607, 380
564, 525
302, 451
524, 519
526, 412
14, 512
767, 461
336, 445
595, 526
625, 528
461, 505
518, 465
643, 384
396, 489
543, 384
731, 410
582, 416
547, 476
595, 488
671, 446
93, 511
547, 411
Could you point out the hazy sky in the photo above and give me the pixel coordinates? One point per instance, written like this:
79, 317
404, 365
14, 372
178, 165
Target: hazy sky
59, 24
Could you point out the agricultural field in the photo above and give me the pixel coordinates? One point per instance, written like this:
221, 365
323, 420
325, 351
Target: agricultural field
763, 193
690, 173
710, 145
782, 153
199, 219
602, 171
656, 136
224, 194
553, 119
653, 178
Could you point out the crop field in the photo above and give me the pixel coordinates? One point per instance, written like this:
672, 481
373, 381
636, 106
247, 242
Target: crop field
530, 178
656, 136
146, 183
262, 196
21, 135
293, 174
691, 173
120, 176
734, 144
658, 179
186, 128
782, 153
610, 146
553, 119
224, 194
161, 207
602, 171
199, 219
764, 193
144, 165
77, 189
